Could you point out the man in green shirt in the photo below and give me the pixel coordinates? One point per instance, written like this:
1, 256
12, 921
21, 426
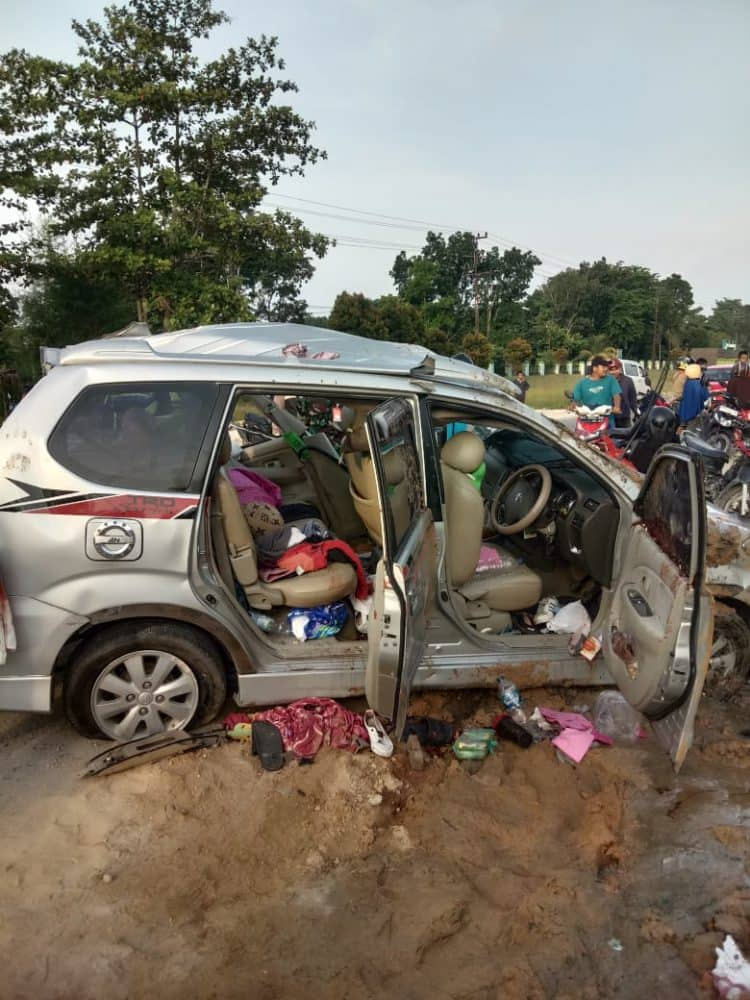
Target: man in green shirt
600, 388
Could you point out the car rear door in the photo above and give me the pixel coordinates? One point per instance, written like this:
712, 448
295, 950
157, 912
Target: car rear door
658, 637
405, 575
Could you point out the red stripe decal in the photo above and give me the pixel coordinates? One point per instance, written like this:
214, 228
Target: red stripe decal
123, 505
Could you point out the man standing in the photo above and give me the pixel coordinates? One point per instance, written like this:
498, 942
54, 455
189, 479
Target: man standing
741, 366
522, 384
629, 396
599, 388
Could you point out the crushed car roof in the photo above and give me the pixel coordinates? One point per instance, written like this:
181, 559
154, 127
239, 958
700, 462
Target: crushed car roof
270, 343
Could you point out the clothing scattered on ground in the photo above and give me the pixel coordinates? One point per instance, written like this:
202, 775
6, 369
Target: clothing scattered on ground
311, 723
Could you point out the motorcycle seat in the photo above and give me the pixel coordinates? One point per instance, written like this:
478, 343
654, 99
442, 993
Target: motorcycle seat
695, 443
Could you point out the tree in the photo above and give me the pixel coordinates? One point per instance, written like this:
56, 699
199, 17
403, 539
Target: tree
478, 347
156, 164
441, 281
355, 313
730, 320
517, 352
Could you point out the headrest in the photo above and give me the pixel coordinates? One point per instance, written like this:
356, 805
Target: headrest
463, 452
225, 453
393, 466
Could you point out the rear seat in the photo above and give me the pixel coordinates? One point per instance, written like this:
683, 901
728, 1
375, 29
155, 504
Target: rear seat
334, 583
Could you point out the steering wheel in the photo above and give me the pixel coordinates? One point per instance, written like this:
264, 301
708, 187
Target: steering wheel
516, 498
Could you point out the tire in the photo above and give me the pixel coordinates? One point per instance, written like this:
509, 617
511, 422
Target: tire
105, 696
730, 500
729, 664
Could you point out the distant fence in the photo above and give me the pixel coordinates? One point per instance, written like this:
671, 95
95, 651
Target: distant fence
569, 368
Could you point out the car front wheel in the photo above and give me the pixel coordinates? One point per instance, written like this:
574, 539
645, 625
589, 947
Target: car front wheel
143, 678
730, 655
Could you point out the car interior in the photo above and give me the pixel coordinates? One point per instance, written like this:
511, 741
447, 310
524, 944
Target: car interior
522, 520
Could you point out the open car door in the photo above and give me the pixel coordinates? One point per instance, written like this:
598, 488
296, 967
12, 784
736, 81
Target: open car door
658, 638
405, 575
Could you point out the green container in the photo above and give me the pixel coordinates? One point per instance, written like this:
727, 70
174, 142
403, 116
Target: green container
475, 744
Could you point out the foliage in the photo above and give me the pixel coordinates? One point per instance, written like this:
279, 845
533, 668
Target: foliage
156, 164
730, 320
355, 313
479, 349
517, 352
602, 304
440, 281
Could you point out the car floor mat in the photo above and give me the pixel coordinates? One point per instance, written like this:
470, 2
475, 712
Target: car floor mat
268, 745
123, 756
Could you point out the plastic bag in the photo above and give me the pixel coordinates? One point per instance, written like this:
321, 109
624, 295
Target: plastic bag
318, 623
570, 619
615, 717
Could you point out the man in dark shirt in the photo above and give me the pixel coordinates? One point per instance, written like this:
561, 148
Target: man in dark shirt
522, 384
741, 366
629, 398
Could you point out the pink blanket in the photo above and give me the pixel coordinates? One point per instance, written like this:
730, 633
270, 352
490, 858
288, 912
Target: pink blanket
253, 488
311, 723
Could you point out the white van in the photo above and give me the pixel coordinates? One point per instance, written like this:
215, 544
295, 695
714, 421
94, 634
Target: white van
636, 371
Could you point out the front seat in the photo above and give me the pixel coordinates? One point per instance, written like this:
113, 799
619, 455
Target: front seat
363, 484
334, 583
507, 589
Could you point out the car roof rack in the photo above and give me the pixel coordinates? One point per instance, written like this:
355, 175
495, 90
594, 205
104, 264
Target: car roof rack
283, 344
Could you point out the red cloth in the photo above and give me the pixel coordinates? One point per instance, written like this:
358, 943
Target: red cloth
311, 723
308, 556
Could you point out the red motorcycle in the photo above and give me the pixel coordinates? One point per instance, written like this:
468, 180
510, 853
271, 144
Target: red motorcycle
592, 425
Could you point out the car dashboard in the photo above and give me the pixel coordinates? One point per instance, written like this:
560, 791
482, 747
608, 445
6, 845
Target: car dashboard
580, 520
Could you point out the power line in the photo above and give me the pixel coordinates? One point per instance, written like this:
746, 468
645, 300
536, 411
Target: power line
418, 222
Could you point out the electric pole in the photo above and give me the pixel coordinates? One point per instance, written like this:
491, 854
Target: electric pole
475, 278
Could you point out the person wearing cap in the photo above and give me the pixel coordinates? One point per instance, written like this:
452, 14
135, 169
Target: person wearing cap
694, 395
678, 383
600, 388
629, 396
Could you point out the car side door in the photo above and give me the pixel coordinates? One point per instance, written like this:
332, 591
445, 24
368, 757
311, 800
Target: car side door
658, 636
405, 575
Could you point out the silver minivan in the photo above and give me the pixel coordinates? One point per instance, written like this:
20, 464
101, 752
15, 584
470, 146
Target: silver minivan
152, 489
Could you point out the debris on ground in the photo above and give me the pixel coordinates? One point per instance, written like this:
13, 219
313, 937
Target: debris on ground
731, 974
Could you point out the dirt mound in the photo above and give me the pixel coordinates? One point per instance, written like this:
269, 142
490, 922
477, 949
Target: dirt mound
204, 876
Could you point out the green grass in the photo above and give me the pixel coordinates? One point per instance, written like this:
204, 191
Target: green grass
547, 392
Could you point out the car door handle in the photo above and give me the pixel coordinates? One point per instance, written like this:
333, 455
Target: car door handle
640, 604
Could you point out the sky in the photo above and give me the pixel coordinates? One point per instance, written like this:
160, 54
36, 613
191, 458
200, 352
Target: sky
579, 130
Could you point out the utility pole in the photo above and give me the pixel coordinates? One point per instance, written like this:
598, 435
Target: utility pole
475, 278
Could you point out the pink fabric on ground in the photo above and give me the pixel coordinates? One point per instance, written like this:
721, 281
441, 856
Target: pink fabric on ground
311, 723
576, 721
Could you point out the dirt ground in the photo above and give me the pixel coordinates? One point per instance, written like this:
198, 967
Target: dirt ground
203, 876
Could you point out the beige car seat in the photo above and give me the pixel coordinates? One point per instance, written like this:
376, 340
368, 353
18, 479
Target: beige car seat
508, 589
363, 485
334, 583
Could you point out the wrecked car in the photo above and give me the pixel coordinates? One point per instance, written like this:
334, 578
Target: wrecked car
157, 557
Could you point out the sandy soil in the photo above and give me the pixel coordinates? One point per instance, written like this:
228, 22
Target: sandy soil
202, 876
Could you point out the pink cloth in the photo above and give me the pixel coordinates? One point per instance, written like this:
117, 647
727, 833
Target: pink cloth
577, 734
254, 488
311, 723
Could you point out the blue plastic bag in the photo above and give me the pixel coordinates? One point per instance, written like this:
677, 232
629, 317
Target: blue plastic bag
318, 623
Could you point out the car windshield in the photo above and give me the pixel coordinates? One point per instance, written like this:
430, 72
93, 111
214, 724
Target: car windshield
719, 373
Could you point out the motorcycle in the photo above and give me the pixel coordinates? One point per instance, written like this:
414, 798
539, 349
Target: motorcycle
592, 425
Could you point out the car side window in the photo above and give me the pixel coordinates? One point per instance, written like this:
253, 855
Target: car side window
664, 506
142, 436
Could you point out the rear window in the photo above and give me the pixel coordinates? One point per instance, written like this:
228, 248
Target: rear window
719, 374
143, 436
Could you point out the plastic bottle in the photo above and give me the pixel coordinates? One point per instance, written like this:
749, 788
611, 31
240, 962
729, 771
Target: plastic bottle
508, 693
270, 625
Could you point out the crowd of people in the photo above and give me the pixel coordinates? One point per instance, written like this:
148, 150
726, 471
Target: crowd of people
606, 384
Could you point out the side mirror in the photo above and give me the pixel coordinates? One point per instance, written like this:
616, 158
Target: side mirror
569, 395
